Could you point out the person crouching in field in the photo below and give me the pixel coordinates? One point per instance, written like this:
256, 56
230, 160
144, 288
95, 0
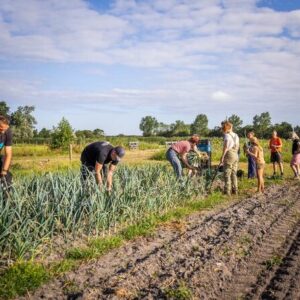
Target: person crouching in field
101, 158
230, 158
275, 145
258, 154
295, 162
179, 151
5, 160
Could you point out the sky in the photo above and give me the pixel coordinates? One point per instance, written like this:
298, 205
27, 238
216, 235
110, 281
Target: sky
106, 64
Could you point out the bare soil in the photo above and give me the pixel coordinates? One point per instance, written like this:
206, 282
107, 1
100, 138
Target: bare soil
247, 250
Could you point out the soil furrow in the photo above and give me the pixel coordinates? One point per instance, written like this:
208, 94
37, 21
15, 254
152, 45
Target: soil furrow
236, 251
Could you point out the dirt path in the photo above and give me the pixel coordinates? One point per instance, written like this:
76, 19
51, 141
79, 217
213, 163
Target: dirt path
249, 250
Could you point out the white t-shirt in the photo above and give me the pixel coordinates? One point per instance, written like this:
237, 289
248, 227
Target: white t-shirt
232, 140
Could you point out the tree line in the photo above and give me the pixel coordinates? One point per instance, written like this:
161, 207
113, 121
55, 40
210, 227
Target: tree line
261, 125
23, 124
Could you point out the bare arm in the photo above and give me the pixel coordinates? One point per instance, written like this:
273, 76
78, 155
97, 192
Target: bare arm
254, 153
110, 176
225, 149
185, 161
7, 160
98, 168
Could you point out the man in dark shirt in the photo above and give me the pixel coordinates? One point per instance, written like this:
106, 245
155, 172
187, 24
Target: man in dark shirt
96, 157
5, 160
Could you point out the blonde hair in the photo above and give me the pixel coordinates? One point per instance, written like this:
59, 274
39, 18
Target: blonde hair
226, 126
255, 141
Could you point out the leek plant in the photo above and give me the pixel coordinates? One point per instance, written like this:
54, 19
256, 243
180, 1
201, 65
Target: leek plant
40, 208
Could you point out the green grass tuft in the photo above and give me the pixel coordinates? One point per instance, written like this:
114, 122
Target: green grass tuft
143, 228
21, 278
103, 245
182, 292
95, 248
63, 266
79, 253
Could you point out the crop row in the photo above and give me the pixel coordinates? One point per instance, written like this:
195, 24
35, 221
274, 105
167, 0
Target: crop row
40, 208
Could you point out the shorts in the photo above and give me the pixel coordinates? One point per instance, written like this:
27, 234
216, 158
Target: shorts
276, 157
296, 159
260, 166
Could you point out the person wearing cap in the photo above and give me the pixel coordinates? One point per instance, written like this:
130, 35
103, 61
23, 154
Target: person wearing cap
101, 158
5, 160
177, 153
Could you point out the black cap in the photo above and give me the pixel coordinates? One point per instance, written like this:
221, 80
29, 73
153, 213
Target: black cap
120, 151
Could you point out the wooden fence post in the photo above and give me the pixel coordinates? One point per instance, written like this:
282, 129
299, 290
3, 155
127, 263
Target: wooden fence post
70, 152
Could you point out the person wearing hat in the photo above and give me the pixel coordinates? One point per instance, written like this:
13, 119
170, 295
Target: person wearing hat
5, 159
177, 153
101, 158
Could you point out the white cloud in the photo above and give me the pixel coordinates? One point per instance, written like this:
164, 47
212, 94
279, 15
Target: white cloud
220, 96
227, 51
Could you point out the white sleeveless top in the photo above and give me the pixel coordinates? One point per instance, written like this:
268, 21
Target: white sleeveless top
232, 139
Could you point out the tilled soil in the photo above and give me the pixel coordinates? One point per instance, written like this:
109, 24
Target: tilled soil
249, 250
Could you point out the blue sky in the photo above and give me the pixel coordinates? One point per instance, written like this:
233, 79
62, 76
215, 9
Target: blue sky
106, 64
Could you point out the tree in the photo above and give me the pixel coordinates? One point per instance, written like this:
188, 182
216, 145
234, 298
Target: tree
149, 126
44, 133
4, 109
23, 122
283, 129
236, 122
62, 135
200, 125
98, 132
216, 132
179, 128
262, 125
164, 129
84, 134
244, 130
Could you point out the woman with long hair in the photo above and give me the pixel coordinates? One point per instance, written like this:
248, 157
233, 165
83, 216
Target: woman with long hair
258, 153
295, 162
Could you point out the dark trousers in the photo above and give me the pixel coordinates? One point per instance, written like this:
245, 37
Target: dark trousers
251, 167
6, 180
87, 170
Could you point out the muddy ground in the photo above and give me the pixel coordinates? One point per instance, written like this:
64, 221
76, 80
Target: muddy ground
248, 250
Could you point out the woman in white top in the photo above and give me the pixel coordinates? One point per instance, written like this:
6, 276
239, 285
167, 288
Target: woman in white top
230, 158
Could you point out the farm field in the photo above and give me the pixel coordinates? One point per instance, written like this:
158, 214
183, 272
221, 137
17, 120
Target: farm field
168, 235
249, 249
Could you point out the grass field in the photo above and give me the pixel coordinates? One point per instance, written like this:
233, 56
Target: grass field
48, 204
29, 159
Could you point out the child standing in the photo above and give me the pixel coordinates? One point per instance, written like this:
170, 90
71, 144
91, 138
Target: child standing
295, 162
258, 153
